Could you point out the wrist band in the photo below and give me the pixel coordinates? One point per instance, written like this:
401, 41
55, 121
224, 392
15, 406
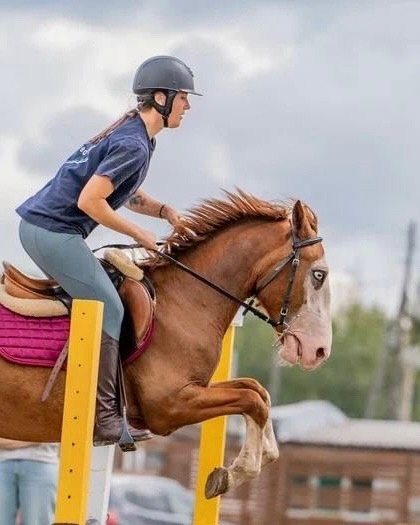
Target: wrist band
161, 209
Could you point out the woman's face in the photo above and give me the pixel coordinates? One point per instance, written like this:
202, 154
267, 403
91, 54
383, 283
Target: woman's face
179, 107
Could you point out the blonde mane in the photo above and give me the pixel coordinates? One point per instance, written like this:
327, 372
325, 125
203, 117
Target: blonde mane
213, 214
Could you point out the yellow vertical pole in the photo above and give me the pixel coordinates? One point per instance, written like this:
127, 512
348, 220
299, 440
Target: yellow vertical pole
212, 443
79, 412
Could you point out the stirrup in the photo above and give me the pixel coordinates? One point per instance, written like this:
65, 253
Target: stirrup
126, 442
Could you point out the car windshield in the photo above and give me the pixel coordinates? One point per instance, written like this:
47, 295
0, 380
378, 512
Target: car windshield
162, 495
181, 501
156, 500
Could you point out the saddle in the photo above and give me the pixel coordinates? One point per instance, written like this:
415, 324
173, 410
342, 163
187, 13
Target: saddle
33, 296
35, 323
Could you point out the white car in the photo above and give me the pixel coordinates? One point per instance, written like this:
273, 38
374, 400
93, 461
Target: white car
149, 500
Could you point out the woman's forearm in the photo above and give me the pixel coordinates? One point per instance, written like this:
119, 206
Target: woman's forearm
101, 212
143, 203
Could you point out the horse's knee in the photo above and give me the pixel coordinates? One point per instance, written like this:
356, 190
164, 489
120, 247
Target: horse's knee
255, 407
257, 386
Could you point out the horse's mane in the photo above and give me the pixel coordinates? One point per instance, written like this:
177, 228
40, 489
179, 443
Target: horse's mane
200, 222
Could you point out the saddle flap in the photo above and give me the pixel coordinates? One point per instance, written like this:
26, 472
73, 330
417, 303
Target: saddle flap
139, 313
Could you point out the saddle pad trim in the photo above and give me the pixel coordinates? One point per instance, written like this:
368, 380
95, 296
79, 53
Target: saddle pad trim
142, 345
25, 361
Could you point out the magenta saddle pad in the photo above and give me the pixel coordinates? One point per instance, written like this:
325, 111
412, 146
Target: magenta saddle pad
38, 341
35, 341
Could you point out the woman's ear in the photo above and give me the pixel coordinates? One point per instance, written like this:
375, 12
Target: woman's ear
160, 98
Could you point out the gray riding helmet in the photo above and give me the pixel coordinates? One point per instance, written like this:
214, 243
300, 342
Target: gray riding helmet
164, 73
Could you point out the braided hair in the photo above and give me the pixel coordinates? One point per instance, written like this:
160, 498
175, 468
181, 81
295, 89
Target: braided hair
144, 103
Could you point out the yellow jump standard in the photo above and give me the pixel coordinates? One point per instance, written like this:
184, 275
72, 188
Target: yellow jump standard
212, 443
79, 412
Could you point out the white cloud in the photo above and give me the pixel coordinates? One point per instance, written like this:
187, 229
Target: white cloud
59, 36
219, 164
317, 101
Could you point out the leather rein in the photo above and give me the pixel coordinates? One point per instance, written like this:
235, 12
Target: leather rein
294, 258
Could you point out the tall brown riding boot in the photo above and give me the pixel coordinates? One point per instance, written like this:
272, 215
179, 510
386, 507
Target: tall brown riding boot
109, 424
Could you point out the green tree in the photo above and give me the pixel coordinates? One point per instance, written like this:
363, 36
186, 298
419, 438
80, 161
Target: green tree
345, 379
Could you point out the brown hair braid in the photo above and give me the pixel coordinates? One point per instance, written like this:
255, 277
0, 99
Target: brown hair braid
145, 102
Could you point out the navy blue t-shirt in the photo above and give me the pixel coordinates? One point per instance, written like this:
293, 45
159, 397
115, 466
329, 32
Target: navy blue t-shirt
123, 157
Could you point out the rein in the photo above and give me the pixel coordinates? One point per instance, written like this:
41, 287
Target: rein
293, 257
219, 289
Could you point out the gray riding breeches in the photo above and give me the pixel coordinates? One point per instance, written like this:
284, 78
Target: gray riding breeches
68, 259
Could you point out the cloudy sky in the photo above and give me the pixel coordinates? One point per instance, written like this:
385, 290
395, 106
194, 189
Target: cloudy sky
315, 99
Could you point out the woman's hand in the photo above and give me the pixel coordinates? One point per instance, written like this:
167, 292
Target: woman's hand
146, 239
170, 214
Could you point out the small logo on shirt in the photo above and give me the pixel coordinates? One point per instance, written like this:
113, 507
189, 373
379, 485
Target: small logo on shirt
81, 155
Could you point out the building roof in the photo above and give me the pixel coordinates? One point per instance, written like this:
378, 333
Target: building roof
320, 423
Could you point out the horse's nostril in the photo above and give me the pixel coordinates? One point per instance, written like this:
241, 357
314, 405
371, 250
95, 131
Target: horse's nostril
320, 354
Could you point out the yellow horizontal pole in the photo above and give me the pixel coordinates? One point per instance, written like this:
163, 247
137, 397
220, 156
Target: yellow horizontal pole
79, 412
212, 443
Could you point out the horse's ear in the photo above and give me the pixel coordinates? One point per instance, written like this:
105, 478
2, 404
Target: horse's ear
298, 215
301, 220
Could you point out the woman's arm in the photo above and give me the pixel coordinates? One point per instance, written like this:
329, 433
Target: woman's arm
92, 201
143, 203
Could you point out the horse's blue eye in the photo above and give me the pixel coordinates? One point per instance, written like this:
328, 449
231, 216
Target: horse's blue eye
319, 275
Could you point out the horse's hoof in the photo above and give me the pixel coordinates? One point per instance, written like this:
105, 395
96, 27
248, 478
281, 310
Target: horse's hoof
217, 483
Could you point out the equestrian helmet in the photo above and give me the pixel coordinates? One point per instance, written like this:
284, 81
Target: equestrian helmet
165, 73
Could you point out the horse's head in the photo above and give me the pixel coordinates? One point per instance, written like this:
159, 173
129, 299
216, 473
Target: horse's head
248, 246
293, 287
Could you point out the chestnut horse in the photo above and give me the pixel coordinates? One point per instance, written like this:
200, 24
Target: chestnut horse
246, 246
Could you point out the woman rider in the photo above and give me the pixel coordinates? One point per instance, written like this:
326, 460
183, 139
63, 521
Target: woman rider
100, 177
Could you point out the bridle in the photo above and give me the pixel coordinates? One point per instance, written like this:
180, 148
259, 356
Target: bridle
294, 258
281, 323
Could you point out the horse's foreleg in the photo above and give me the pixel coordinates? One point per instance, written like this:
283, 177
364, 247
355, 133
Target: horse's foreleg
246, 466
195, 404
270, 449
245, 382
259, 449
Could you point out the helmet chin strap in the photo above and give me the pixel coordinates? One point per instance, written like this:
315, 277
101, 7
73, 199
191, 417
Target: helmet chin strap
165, 110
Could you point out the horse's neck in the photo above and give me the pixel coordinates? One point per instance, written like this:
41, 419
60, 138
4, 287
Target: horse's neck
229, 260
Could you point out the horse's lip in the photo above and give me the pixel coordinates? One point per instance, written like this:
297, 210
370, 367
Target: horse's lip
297, 347
299, 351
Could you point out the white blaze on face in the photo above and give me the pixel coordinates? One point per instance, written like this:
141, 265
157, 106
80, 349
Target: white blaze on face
317, 291
308, 341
